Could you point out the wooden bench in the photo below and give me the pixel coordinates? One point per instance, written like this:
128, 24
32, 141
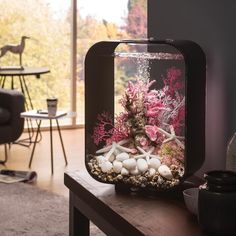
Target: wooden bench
129, 214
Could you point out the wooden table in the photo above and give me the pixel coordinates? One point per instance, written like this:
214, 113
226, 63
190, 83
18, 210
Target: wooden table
127, 214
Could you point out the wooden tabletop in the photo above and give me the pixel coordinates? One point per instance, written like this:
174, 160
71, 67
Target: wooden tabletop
26, 71
151, 215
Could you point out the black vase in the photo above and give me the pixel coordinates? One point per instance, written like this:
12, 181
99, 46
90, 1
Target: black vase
217, 203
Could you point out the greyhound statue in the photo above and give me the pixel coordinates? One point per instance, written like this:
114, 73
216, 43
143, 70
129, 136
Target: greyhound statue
15, 48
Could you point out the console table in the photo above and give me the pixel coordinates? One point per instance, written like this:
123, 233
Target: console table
125, 213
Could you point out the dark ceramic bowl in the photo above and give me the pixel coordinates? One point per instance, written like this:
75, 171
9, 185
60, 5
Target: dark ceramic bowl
191, 199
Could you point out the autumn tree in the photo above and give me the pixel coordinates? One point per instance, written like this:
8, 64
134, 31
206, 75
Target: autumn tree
142, 3
136, 22
48, 46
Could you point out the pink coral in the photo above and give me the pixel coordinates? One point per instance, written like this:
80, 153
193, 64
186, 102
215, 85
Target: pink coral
154, 108
151, 131
173, 81
145, 110
178, 121
120, 131
104, 128
141, 140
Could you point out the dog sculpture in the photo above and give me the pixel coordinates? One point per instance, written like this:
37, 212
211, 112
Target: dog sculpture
17, 49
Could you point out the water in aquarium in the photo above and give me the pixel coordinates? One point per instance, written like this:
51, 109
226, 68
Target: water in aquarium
143, 142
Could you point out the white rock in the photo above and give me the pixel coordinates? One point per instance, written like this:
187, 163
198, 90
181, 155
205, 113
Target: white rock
111, 158
134, 171
106, 166
152, 171
124, 171
130, 164
142, 165
117, 166
100, 159
122, 156
165, 172
154, 163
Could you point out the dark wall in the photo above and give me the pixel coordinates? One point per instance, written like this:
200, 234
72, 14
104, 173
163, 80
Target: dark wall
212, 24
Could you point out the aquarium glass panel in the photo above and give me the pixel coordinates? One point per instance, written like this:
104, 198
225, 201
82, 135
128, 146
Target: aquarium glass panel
141, 142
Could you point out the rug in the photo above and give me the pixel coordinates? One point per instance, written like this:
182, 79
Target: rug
26, 210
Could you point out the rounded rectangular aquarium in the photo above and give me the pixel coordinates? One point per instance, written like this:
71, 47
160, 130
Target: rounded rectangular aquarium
144, 112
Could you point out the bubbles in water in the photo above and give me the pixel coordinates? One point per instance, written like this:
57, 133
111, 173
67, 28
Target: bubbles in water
144, 59
143, 69
150, 55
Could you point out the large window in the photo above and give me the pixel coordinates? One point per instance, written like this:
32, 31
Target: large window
48, 24
105, 20
47, 47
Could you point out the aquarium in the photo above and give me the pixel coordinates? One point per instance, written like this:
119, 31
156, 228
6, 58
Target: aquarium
144, 112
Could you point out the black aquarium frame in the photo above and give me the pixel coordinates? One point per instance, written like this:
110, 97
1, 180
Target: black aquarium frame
99, 94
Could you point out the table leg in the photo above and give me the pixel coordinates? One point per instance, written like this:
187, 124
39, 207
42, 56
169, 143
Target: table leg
28, 121
35, 142
51, 144
62, 145
30, 130
3, 81
23, 91
12, 82
27, 92
78, 223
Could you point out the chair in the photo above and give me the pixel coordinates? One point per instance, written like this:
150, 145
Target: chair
11, 124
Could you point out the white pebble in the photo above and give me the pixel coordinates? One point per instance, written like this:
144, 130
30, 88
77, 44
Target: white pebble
165, 172
152, 171
117, 166
124, 171
106, 166
142, 165
122, 156
100, 159
134, 171
130, 164
154, 163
